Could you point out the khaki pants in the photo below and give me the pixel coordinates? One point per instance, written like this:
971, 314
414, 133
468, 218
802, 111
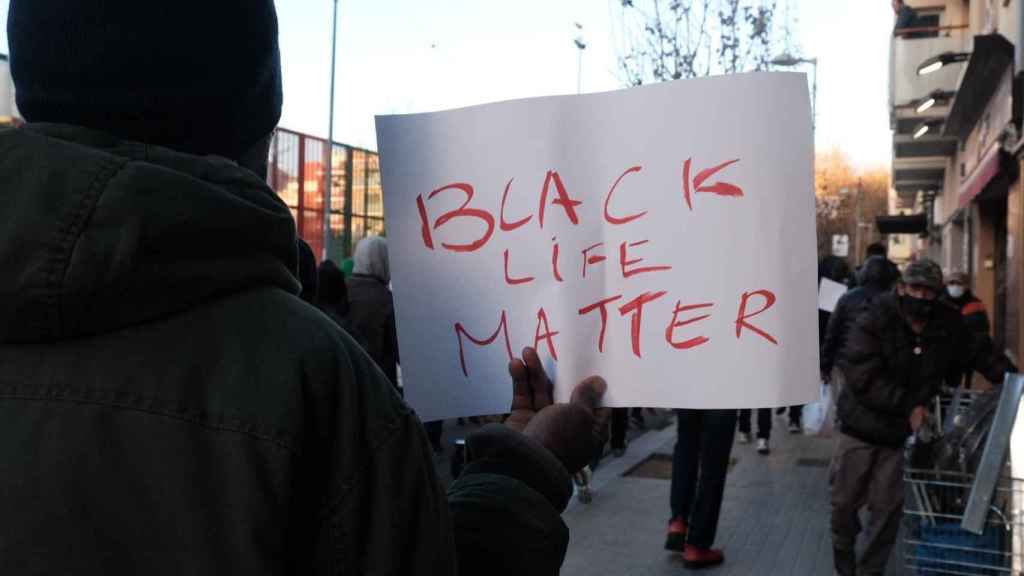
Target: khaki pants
865, 474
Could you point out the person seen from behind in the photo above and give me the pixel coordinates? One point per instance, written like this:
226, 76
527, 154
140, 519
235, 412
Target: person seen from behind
837, 270
371, 315
332, 295
700, 463
877, 250
764, 428
371, 305
168, 403
876, 278
897, 355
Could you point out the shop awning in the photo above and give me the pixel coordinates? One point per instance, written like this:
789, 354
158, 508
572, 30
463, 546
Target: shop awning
992, 55
983, 173
913, 224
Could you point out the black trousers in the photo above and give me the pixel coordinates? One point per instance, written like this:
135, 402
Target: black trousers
620, 422
796, 415
764, 422
699, 466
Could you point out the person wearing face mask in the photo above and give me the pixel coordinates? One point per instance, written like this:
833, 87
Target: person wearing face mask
959, 295
898, 354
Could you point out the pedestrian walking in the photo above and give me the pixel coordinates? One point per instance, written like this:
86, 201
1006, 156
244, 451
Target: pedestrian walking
875, 279
621, 419
837, 270
619, 424
332, 295
875, 250
636, 417
898, 354
700, 463
764, 428
168, 404
371, 305
959, 295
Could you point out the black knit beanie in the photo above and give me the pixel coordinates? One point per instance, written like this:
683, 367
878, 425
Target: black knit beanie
202, 77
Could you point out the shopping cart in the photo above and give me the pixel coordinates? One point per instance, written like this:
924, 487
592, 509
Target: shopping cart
934, 542
937, 502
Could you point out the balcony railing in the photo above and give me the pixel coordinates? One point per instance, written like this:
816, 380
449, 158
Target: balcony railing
904, 32
906, 54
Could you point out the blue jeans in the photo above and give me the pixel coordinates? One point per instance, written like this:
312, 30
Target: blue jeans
699, 465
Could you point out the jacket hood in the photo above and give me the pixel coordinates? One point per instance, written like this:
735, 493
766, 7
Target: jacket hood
332, 291
877, 273
834, 268
97, 234
371, 258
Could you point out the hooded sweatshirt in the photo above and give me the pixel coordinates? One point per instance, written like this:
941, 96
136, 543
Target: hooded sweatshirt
168, 405
876, 278
371, 306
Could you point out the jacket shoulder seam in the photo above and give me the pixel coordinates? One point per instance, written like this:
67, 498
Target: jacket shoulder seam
69, 232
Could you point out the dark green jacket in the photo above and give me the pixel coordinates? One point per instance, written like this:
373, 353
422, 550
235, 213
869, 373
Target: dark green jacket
168, 405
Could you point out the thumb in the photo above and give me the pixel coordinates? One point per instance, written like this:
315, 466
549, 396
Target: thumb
589, 393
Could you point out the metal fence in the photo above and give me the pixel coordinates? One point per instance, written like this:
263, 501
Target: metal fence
297, 172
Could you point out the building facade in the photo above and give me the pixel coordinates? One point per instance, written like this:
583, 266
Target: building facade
955, 110
297, 172
8, 110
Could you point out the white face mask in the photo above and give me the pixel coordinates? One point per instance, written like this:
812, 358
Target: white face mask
955, 291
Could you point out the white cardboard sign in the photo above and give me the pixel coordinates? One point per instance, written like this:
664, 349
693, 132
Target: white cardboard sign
662, 237
829, 293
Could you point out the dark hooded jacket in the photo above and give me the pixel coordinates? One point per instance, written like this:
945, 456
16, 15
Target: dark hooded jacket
371, 305
332, 296
168, 405
889, 369
973, 311
875, 279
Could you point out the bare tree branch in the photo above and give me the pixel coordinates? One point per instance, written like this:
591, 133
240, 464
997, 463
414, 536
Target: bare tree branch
671, 39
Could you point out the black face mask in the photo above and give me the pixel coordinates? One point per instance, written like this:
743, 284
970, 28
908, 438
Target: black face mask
916, 308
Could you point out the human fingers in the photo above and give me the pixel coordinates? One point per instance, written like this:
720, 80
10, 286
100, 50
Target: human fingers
540, 384
522, 398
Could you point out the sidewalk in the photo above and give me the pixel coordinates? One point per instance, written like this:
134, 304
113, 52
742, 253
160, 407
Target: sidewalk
775, 518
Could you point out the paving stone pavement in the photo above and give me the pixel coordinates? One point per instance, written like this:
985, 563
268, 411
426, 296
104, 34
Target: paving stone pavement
775, 517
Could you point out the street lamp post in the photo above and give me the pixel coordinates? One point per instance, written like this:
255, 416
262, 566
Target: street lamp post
936, 62
581, 46
788, 61
330, 138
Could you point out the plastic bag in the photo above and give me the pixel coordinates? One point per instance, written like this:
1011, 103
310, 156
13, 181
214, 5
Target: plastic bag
818, 416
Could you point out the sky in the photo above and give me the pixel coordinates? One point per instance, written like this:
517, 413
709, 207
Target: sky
402, 56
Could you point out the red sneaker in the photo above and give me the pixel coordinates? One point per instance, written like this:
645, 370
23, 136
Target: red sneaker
694, 557
676, 539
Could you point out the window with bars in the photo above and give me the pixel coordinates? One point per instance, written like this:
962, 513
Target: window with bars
297, 173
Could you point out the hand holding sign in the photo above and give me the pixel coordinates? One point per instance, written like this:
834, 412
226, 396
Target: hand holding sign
573, 431
663, 234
